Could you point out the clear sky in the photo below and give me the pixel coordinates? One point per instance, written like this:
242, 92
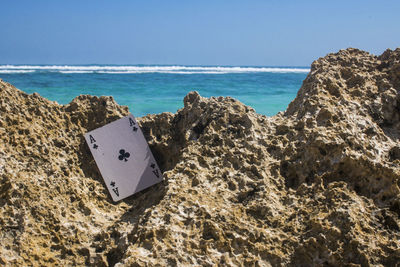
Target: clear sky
215, 32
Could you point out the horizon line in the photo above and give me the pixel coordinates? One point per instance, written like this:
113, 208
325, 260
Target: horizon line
150, 64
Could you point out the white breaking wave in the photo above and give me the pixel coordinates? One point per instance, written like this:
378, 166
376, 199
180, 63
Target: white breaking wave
75, 71
148, 69
15, 71
170, 72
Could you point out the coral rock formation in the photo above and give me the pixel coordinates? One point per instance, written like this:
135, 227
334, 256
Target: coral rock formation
316, 185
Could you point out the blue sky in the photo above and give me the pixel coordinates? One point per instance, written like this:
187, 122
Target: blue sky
272, 33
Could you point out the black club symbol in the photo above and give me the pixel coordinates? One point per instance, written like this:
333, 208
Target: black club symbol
112, 183
134, 129
123, 155
153, 165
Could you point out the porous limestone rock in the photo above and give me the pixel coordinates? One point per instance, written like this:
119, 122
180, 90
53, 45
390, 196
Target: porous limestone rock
316, 185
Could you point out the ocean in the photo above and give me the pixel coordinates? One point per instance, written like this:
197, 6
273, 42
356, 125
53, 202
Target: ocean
149, 89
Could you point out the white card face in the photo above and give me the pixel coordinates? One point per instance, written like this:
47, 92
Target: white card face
123, 157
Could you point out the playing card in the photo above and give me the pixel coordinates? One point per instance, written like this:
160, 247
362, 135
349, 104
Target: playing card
123, 157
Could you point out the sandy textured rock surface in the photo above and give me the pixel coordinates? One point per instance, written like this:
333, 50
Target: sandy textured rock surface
317, 185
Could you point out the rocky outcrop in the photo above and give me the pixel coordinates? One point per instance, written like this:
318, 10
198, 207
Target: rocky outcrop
315, 185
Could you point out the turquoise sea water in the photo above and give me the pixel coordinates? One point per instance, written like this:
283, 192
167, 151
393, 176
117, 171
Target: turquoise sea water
156, 89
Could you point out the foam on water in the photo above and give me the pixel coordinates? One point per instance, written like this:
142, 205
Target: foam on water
15, 71
75, 71
168, 72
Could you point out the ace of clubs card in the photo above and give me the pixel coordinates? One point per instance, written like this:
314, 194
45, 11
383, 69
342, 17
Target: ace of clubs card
123, 157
